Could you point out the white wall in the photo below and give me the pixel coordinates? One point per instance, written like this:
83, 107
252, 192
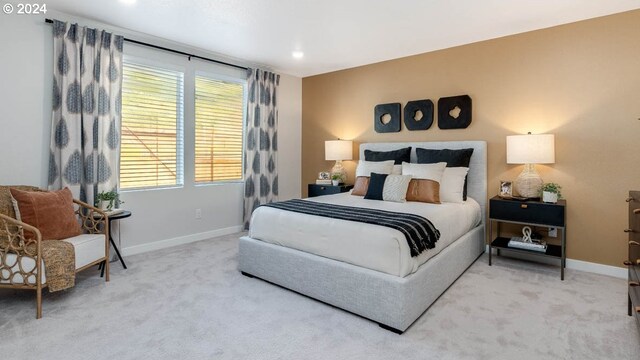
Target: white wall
160, 217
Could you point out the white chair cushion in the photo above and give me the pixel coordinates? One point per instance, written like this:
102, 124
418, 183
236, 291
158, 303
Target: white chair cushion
28, 264
88, 248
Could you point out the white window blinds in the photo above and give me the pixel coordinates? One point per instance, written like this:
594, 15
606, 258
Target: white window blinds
152, 114
219, 116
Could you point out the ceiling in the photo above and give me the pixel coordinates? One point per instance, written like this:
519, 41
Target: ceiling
334, 34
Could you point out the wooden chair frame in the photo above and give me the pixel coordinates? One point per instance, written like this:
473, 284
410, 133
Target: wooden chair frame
92, 221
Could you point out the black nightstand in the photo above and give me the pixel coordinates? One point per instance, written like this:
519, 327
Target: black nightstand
319, 190
531, 213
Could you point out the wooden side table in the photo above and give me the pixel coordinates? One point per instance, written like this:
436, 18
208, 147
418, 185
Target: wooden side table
121, 215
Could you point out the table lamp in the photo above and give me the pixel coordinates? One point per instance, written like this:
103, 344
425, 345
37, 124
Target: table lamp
338, 150
530, 150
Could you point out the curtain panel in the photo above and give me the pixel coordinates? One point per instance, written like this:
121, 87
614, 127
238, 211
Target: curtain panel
87, 92
261, 145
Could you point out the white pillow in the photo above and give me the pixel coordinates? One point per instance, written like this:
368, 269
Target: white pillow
424, 171
365, 168
452, 184
397, 170
395, 188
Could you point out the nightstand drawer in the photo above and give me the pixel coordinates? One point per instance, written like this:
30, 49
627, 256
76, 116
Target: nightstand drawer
634, 294
319, 190
634, 270
634, 254
528, 212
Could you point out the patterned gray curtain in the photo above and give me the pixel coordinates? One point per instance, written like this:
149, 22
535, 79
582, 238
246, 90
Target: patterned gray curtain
87, 85
261, 145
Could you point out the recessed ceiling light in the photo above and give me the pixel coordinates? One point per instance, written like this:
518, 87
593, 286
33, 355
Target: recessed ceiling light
297, 54
128, 2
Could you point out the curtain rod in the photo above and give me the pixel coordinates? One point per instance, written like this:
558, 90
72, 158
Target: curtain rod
49, 21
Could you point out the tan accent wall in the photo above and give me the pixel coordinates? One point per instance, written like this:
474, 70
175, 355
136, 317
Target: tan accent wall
579, 81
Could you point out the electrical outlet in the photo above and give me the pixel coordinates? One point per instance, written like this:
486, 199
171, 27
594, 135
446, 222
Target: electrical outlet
198, 213
553, 232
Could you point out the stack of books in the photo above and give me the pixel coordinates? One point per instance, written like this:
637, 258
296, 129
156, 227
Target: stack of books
535, 245
323, 182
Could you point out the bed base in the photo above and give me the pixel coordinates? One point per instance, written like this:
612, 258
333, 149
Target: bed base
389, 328
391, 301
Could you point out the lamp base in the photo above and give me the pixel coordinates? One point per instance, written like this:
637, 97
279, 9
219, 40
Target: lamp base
338, 169
529, 182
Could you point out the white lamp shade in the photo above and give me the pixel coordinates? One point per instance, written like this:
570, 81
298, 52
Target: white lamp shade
531, 149
338, 150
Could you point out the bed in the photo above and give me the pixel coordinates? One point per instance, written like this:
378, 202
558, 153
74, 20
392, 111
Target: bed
314, 255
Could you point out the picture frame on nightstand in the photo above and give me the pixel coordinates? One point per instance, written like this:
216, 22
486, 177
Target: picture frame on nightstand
506, 189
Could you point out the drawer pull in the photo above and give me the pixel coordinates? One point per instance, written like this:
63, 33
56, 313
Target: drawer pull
638, 309
629, 199
322, 188
628, 230
631, 242
627, 263
524, 206
636, 211
634, 283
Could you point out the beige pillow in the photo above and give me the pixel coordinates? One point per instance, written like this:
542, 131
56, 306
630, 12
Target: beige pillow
395, 188
452, 184
424, 171
365, 168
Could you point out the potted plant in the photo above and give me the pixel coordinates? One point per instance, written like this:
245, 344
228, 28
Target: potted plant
106, 200
335, 179
551, 192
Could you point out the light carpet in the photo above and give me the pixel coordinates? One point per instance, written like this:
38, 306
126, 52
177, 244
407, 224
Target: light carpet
190, 302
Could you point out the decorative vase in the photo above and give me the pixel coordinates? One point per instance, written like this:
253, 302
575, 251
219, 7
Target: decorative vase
335, 182
338, 169
549, 197
528, 183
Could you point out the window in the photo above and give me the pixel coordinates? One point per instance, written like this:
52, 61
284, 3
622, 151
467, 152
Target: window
152, 113
219, 109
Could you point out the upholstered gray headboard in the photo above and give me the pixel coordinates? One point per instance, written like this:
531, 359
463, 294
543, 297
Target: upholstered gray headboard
477, 178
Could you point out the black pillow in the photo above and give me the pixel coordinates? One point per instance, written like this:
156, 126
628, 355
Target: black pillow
453, 158
376, 184
398, 156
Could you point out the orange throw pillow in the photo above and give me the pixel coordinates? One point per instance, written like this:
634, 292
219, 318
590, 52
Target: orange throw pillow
50, 212
424, 190
360, 186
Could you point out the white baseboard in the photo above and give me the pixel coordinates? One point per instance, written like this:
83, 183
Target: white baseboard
573, 264
163, 244
596, 268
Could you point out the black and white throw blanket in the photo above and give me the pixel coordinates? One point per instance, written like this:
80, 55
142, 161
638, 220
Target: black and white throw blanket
419, 231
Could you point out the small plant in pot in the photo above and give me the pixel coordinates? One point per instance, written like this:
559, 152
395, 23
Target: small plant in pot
335, 179
107, 200
551, 193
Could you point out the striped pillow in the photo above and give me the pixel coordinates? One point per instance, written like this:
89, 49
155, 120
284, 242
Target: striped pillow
395, 188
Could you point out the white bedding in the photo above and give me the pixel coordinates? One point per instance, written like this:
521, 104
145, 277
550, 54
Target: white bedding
371, 246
